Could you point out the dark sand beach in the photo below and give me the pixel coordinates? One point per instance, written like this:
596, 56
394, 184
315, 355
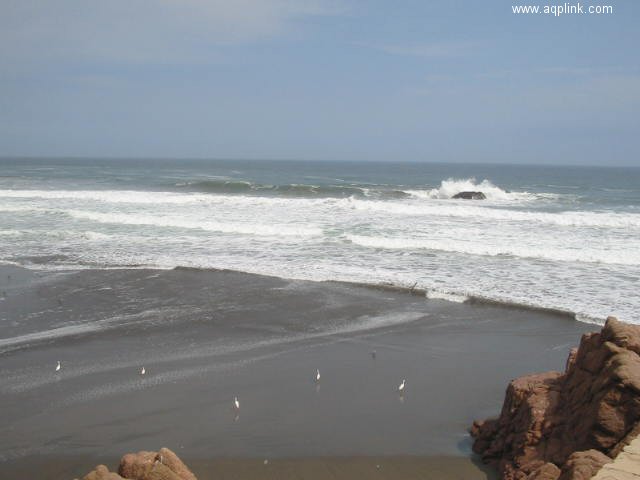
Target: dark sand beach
206, 336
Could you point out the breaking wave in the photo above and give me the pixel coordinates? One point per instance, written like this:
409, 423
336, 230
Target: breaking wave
450, 187
284, 190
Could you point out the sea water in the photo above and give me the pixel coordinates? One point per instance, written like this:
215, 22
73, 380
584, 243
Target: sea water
565, 238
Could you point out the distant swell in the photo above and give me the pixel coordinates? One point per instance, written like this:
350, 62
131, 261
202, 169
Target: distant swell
289, 190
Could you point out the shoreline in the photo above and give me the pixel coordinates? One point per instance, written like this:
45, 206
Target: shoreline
430, 294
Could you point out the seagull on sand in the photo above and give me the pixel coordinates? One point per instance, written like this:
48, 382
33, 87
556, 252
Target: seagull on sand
317, 375
236, 403
143, 371
401, 387
58, 366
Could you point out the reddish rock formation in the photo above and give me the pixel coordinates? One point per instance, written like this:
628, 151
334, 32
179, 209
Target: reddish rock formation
567, 425
583, 465
137, 465
546, 471
161, 465
101, 473
171, 460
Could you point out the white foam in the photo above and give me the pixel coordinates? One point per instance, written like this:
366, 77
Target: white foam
95, 236
108, 196
450, 187
606, 219
461, 209
12, 233
586, 318
505, 248
508, 248
446, 295
173, 221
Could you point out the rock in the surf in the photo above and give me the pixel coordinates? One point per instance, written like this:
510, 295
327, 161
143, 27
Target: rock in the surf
470, 195
592, 408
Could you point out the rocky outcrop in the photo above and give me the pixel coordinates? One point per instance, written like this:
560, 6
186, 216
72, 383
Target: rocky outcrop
138, 465
161, 465
101, 473
567, 425
470, 195
583, 465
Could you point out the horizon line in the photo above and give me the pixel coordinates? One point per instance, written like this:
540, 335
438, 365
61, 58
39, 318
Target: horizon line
302, 160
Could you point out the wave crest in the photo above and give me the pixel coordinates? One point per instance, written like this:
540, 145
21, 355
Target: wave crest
293, 190
452, 186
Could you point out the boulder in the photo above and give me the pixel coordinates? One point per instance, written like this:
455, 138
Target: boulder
101, 473
136, 466
547, 471
470, 195
576, 420
583, 465
161, 472
161, 465
171, 460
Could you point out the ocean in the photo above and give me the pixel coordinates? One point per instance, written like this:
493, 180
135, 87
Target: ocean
550, 237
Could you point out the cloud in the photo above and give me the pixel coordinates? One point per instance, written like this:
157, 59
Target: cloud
159, 31
447, 49
558, 72
598, 100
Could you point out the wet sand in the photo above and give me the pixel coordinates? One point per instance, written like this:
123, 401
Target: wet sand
207, 336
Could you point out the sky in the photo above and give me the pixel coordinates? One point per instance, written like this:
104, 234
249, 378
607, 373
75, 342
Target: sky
423, 80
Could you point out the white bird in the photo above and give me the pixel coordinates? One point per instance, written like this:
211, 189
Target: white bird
58, 366
401, 387
317, 375
236, 403
143, 371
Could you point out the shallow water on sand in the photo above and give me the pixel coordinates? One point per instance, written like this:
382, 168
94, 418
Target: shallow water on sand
205, 337
325, 468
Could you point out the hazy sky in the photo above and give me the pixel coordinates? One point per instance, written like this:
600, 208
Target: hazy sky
319, 79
